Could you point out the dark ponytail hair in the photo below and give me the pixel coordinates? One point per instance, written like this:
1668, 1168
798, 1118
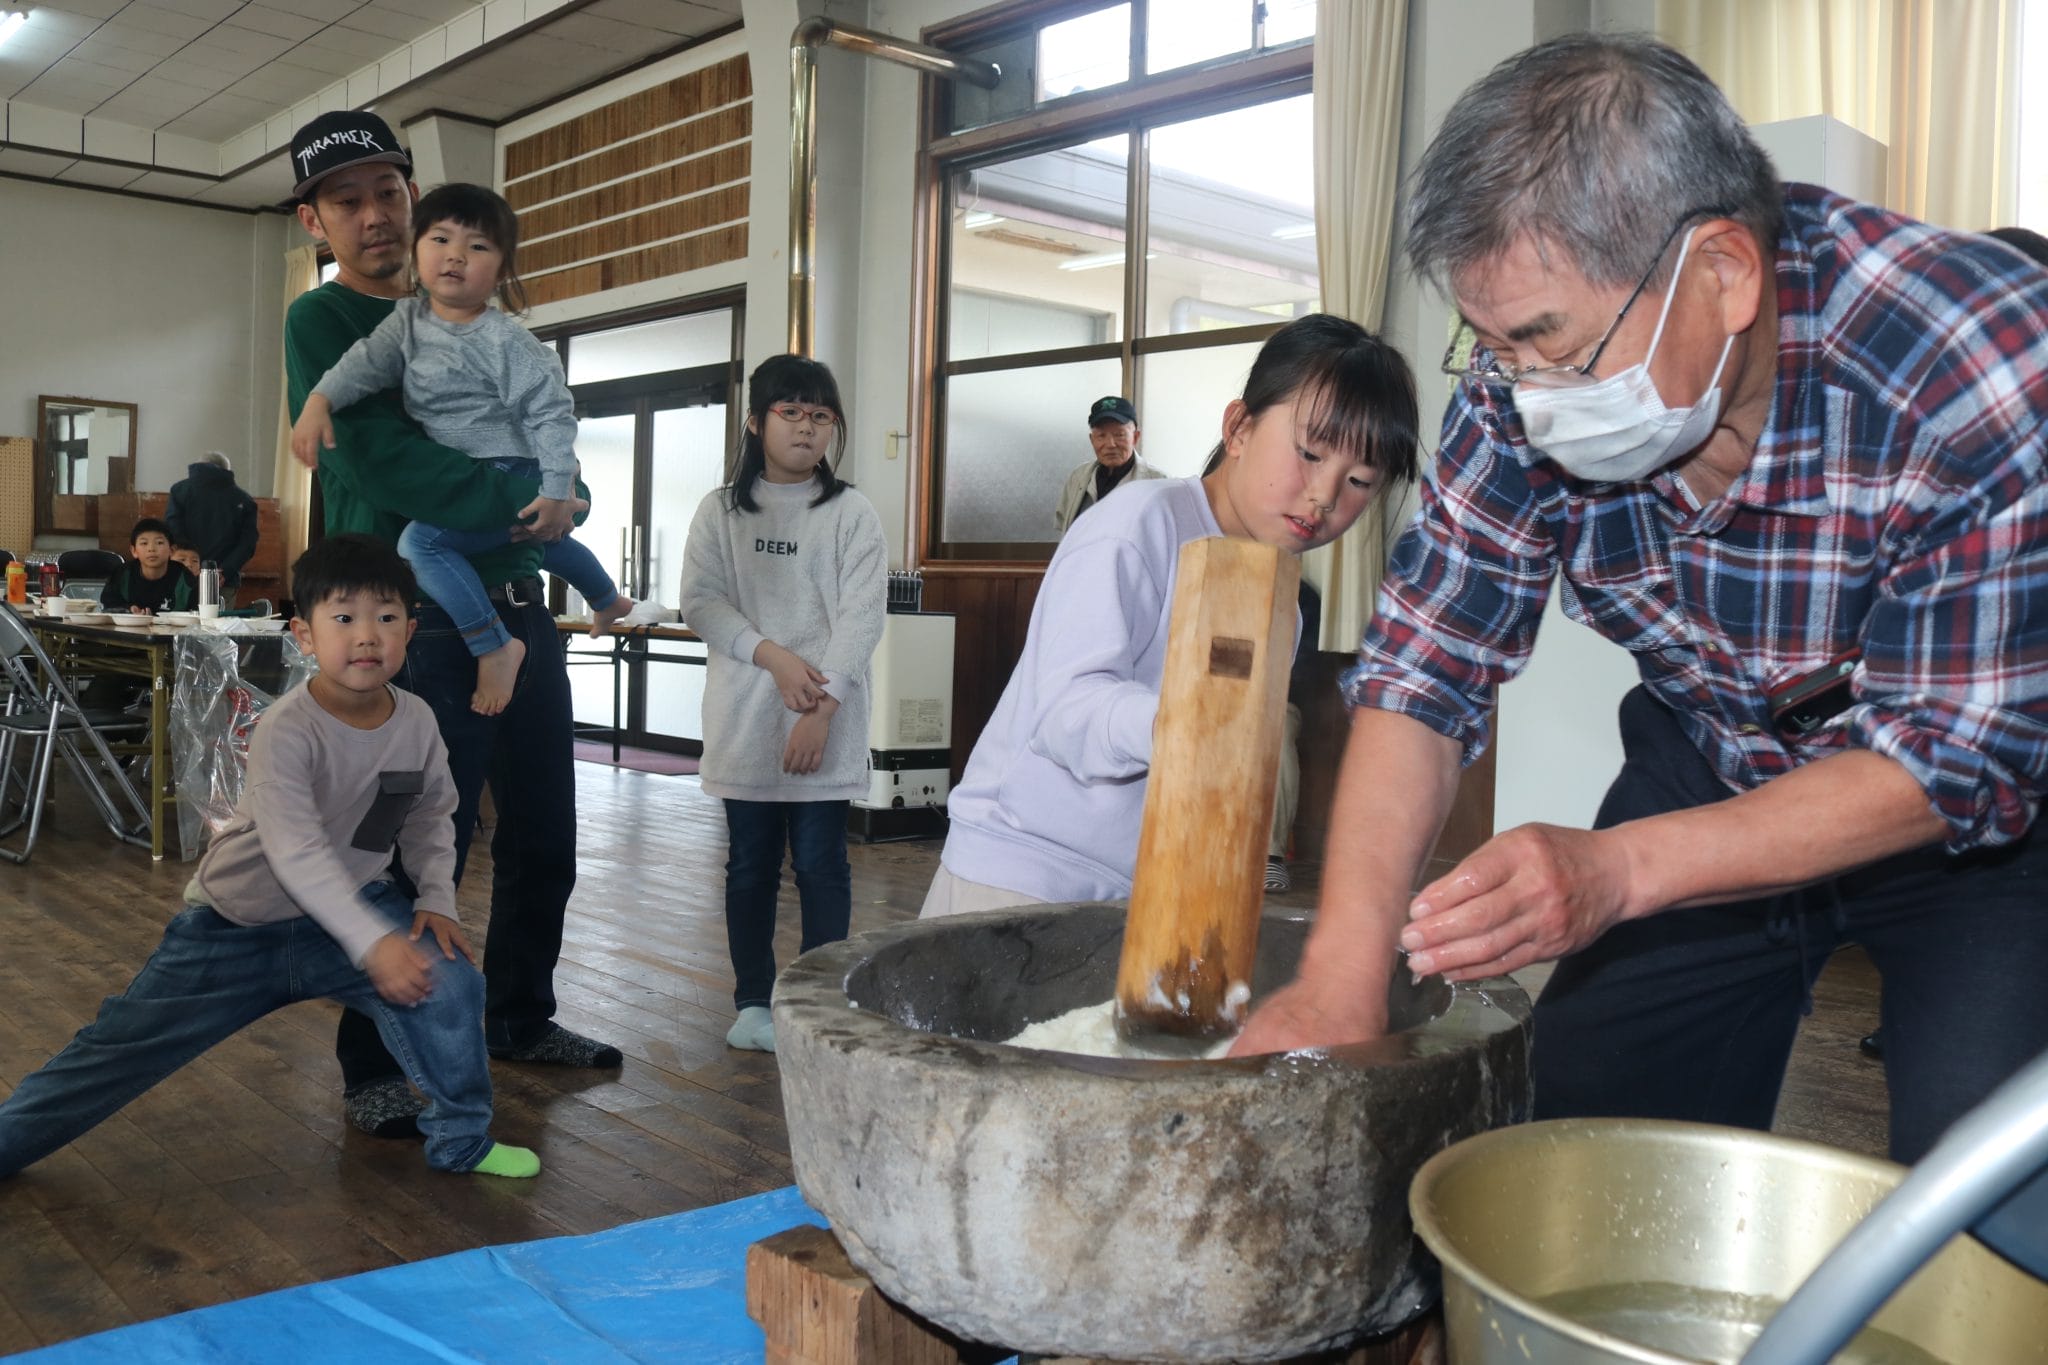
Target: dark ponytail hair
788, 379
1358, 392
479, 210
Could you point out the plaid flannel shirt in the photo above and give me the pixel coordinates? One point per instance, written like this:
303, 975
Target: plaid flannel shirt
1895, 505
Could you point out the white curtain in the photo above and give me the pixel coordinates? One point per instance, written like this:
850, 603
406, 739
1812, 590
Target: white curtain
1360, 55
1936, 81
293, 482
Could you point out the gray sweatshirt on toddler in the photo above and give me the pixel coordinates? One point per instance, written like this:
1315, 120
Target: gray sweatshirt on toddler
486, 388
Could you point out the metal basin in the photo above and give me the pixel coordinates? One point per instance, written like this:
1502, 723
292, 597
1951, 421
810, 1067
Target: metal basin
1657, 1243
1163, 1211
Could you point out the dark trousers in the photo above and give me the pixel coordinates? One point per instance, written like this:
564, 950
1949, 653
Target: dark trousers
526, 754
1690, 1014
815, 833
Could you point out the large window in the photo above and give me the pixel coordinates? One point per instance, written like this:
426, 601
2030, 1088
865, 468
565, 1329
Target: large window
1108, 232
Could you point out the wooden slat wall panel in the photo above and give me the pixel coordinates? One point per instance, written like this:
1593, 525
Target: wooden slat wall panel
605, 203
688, 94
670, 182
670, 144
262, 576
670, 258
684, 216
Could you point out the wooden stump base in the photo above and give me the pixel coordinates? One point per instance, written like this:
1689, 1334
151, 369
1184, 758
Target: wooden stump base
817, 1309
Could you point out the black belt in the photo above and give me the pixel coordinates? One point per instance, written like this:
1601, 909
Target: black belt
520, 592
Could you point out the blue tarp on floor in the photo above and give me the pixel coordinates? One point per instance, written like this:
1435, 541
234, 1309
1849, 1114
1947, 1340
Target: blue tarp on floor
669, 1289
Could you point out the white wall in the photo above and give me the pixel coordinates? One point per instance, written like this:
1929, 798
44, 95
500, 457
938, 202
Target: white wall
174, 309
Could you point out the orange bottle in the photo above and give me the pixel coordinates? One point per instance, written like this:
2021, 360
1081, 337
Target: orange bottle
17, 581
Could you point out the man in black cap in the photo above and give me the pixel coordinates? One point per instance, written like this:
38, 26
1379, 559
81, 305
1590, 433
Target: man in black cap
1113, 431
354, 193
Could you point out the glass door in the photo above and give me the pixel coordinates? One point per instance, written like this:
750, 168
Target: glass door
654, 438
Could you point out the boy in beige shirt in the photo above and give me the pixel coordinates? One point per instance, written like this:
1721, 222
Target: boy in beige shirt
296, 900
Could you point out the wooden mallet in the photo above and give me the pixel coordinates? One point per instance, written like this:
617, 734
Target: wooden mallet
1192, 935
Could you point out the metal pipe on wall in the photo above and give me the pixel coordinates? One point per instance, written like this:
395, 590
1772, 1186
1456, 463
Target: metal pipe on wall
804, 43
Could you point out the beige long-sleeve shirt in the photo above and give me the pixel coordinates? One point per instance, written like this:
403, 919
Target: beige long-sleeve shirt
324, 809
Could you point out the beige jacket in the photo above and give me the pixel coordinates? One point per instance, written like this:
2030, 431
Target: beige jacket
1079, 494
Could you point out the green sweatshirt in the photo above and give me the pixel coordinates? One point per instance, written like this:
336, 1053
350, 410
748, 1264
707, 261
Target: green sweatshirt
383, 471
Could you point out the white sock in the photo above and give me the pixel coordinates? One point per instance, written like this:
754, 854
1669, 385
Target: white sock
754, 1030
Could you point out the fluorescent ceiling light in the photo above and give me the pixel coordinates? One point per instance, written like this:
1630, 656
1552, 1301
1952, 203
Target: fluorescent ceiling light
1096, 262
980, 218
11, 21
1294, 232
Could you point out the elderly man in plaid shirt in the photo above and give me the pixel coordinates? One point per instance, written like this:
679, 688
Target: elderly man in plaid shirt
1787, 449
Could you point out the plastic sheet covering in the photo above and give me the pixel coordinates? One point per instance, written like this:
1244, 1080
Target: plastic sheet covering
670, 1289
223, 683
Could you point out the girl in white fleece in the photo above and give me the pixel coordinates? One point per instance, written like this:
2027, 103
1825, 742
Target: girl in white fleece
785, 577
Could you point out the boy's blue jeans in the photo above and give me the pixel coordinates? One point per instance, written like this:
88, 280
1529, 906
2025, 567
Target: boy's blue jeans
208, 979
438, 556
815, 832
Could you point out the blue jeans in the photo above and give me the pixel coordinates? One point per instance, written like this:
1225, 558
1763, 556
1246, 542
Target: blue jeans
815, 832
526, 752
208, 979
438, 556
1690, 1014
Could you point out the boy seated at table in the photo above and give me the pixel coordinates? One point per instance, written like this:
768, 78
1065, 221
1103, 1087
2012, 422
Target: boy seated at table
150, 581
297, 899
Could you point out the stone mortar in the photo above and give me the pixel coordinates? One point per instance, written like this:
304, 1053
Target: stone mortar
1247, 1209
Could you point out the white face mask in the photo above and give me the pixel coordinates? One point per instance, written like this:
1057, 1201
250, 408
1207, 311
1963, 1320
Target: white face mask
1618, 429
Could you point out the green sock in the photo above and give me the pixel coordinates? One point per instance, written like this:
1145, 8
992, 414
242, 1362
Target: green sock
504, 1159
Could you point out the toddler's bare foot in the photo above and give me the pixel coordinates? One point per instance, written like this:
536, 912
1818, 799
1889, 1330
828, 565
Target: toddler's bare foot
601, 618
496, 672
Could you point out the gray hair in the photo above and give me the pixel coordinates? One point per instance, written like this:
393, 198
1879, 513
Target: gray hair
1594, 146
219, 461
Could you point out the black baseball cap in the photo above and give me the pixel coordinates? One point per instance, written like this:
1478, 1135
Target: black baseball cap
336, 141
1112, 409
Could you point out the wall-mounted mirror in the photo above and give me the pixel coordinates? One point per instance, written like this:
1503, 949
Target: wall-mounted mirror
84, 447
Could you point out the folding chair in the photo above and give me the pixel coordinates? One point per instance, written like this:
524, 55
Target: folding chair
42, 714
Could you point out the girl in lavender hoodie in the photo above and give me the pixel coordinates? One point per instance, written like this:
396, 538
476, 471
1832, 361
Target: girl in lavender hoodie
1048, 808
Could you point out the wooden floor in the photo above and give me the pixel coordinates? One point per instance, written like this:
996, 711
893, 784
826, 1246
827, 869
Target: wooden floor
238, 1175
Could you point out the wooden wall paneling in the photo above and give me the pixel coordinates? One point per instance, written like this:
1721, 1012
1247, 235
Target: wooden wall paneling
683, 216
656, 262
725, 166
679, 143
262, 576
606, 203
726, 83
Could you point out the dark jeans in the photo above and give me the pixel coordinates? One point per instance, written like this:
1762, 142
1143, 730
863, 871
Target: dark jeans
1690, 1014
208, 979
525, 753
815, 832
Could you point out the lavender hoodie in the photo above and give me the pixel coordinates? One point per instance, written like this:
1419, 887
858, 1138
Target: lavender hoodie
1052, 796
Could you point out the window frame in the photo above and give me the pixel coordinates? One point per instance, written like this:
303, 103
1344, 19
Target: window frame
1132, 108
